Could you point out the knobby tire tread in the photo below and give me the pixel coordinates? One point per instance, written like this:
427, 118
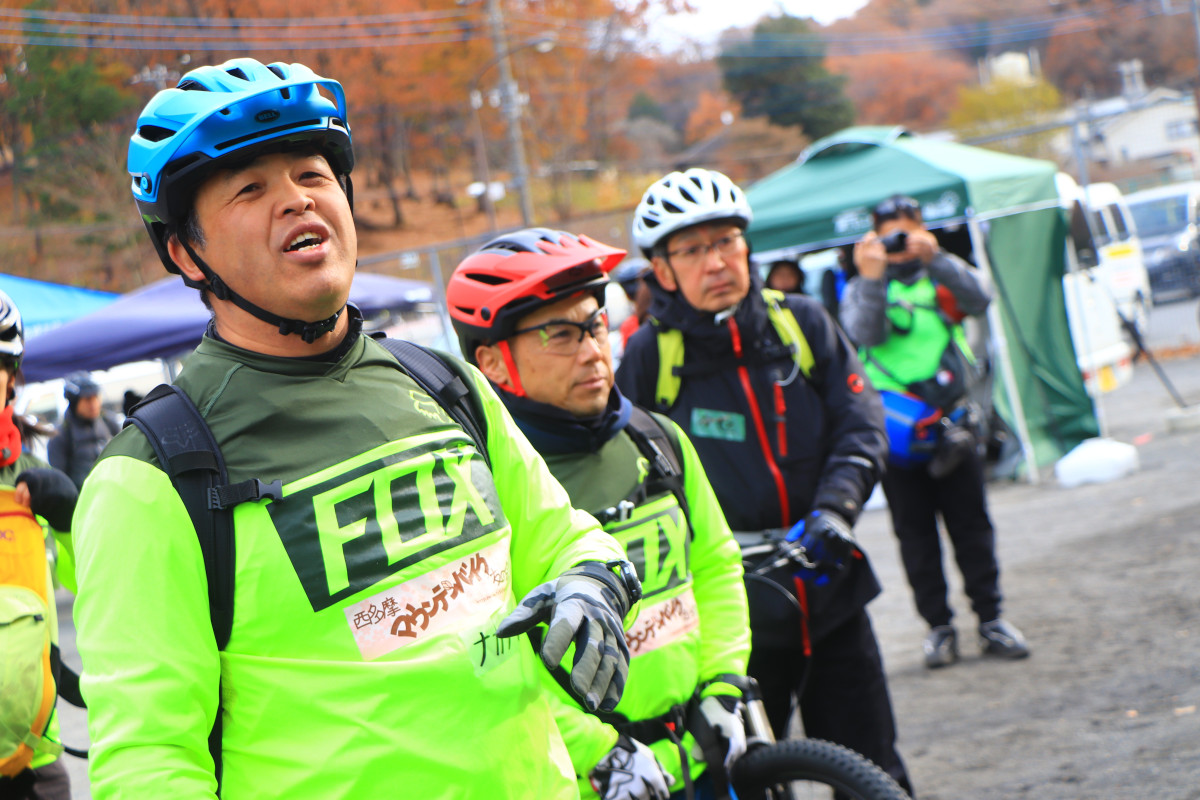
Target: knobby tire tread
840, 768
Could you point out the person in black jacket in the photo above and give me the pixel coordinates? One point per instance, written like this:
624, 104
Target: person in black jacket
786, 434
86, 428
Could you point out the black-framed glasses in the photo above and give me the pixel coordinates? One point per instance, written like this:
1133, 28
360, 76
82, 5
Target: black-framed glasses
725, 246
562, 337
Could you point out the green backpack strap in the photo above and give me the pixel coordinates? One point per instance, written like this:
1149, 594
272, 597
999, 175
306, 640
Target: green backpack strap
670, 348
670, 357
789, 331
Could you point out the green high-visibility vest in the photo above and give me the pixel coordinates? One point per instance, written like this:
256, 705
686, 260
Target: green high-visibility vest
919, 334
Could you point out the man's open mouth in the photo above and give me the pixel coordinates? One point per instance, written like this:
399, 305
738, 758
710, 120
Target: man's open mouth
302, 241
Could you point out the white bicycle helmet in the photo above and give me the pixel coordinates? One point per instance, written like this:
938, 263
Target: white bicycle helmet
12, 332
682, 199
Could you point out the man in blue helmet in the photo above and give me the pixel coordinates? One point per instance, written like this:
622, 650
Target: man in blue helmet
376, 573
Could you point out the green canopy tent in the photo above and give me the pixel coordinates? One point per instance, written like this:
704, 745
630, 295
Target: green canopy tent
1011, 209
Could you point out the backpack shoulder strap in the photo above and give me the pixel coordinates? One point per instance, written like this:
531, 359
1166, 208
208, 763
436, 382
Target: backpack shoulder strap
670, 348
434, 375
188, 453
659, 446
785, 324
670, 359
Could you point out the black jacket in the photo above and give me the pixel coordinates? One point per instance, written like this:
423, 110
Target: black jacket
835, 440
79, 442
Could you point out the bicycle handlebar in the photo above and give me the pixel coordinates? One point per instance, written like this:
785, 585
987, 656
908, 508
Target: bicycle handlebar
774, 547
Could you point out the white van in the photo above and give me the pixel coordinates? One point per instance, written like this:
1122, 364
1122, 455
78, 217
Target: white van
1121, 263
1103, 349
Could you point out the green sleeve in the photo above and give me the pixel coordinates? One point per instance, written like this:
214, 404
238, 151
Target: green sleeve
588, 739
549, 535
716, 563
64, 563
151, 667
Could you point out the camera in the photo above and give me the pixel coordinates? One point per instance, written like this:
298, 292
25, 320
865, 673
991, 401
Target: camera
895, 242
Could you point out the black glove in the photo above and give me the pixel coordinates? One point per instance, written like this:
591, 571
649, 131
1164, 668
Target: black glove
827, 542
52, 495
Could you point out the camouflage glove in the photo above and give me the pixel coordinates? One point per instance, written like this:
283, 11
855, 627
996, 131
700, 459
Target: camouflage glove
584, 605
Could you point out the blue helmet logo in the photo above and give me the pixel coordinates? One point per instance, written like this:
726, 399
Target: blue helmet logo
267, 116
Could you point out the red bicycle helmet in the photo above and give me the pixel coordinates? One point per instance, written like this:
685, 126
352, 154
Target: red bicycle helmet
518, 272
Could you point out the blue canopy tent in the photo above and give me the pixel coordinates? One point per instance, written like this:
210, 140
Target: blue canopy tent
166, 318
47, 305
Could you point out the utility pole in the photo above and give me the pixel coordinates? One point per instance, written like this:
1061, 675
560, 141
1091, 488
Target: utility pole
1196, 80
1081, 134
510, 99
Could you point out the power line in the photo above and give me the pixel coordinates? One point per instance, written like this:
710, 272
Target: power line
134, 32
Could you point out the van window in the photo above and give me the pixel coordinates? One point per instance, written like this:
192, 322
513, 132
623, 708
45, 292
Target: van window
1081, 236
1100, 229
1118, 220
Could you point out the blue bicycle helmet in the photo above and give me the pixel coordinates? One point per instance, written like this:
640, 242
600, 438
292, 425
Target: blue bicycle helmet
222, 116
219, 114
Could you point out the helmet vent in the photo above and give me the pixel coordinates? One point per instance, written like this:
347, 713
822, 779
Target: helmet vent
490, 280
278, 70
237, 73
671, 208
155, 133
304, 123
180, 164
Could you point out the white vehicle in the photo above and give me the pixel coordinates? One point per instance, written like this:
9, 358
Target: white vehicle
1168, 221
1104, 274
1122, 263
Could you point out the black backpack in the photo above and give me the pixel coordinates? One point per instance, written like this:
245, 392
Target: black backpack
188, 453
666, 467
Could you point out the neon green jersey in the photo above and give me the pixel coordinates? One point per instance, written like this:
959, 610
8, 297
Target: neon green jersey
362, 660
693, 622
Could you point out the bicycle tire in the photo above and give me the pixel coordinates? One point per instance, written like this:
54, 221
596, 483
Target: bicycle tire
798, 767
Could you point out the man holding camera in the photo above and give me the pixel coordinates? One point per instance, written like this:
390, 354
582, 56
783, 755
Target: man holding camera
905, 310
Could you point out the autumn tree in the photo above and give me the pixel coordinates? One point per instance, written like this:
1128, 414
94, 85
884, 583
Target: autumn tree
1083, 59
779, 73
917, 90
1007, 105
713, 113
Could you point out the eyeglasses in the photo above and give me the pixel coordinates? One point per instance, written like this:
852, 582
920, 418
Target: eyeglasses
725, 246
563, 337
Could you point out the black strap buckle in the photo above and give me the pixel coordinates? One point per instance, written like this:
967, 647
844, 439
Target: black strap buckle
222, 497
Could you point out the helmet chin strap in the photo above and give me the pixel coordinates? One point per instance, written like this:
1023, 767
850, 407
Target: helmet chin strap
308, 331
510, 363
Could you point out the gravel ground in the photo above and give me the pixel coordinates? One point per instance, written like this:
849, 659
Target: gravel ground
1102, 580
